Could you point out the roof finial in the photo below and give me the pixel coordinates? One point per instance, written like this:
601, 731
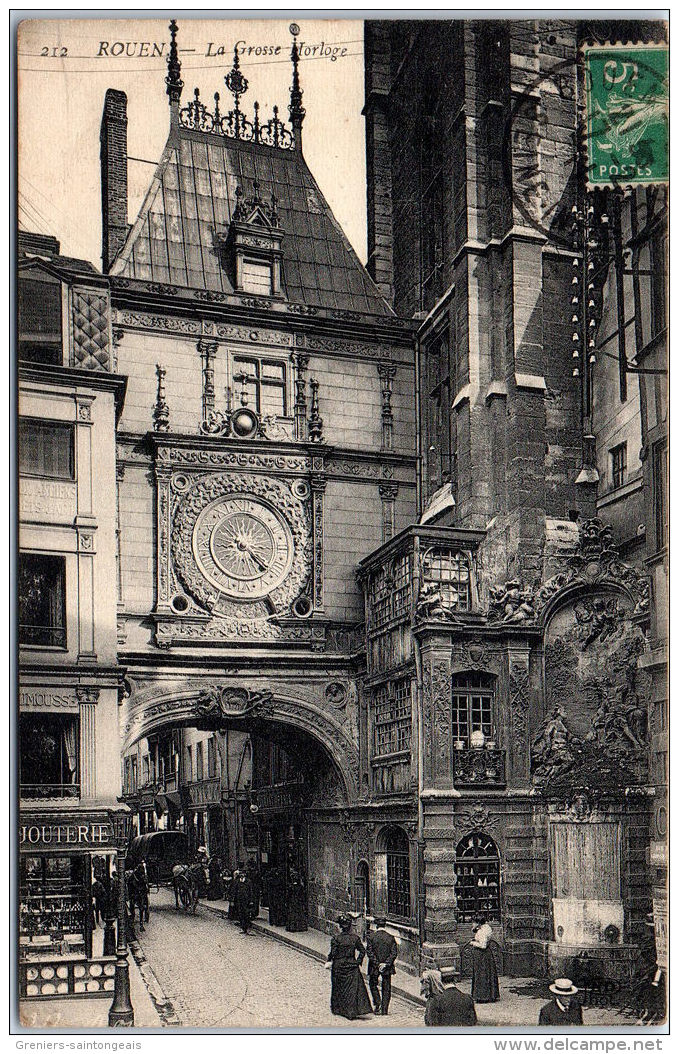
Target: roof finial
295, 109
173, 80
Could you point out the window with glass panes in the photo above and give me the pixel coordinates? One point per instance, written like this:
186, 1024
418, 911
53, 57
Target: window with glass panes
380, 598
619, 464
398, 872
256, 277
39, 318
212, 757
264, 381
46, 449
400, 591
41, 584
450, 571
477, 872
390, 591
472, 697
392, 717
199, 761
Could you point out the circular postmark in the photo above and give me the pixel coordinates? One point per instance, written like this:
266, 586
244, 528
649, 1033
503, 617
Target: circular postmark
595, 120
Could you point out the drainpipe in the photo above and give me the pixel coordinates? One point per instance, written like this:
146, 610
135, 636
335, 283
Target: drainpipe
421, 894
418, 430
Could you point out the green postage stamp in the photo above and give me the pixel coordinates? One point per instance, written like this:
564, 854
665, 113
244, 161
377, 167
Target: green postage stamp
627, 95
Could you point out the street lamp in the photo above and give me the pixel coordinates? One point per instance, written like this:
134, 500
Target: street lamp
121, 1014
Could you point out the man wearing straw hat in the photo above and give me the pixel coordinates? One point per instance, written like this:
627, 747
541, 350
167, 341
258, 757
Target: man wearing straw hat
562, 1009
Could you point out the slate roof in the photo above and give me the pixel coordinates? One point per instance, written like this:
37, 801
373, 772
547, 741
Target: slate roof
36, 249
193, 196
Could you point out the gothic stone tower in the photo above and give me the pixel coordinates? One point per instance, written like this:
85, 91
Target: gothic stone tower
515, 622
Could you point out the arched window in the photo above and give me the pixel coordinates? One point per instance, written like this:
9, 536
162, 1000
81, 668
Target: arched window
472, 701
477, 869
398, 871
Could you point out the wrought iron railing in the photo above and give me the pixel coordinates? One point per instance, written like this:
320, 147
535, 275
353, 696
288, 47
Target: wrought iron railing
49, 790
234, 124
479, 768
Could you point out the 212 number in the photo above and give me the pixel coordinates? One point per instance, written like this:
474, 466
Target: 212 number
53, 53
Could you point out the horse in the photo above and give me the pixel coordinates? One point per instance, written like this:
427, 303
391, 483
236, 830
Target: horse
138, 893
185, 883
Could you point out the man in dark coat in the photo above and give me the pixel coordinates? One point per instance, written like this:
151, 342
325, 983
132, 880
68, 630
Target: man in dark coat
561, 1011
243, 896
446, 1005
382, 952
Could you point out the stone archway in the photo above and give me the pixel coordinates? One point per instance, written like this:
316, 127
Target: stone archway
229, 704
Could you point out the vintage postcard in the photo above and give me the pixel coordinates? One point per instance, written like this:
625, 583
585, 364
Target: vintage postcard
342, 582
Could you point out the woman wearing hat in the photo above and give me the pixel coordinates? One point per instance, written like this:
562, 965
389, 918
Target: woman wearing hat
349, 996
562, 1009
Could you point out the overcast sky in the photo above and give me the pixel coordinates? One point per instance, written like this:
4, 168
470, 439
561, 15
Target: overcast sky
64, 71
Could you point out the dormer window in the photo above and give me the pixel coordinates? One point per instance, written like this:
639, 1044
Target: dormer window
252, 245
256, 277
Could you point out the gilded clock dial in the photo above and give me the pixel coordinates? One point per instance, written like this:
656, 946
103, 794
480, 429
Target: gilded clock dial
243, 546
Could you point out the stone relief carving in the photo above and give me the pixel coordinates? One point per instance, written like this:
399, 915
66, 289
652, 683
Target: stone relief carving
595, 562
209, 459
479, 817
554, 749
431, 604
511, 602
204, 492
440, 687
596, 736
519, 702
215, 702
336, 694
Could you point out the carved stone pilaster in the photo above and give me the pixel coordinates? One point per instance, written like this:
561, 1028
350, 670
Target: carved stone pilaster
300, 363
87, 700
315, 420
437, 719
388, 492
387, 371
163, 474
519, 710
207, 351
161, 411
318, 484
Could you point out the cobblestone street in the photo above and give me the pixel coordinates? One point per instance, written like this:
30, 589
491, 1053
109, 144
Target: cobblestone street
216, 977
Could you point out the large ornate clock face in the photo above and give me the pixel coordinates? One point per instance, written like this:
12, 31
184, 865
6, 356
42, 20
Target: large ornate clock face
243, 546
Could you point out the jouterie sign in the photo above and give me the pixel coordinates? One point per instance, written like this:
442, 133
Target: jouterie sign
66, 835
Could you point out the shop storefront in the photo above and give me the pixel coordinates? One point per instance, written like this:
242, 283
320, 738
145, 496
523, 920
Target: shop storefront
66, 912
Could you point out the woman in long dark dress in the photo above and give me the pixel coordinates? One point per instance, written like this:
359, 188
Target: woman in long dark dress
349, 997
485, 986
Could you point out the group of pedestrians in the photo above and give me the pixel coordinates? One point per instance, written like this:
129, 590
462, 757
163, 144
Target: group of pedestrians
446, 1006
286, 898
349, 996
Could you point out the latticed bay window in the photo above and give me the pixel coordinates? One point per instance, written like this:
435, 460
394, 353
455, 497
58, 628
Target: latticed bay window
392, 717
398, 872
472, 698
390, 592
449, 570
477, 871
